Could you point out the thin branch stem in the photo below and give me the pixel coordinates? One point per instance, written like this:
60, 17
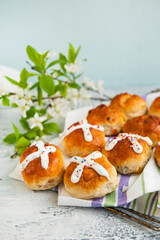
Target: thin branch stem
99, 99
32, 67
45, 98
153, 91
56, 79
96, 91
12, 94
15, 154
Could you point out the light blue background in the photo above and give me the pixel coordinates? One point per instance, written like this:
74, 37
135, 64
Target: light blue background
120, 38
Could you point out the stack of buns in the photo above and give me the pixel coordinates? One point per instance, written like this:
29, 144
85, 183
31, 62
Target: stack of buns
94, 162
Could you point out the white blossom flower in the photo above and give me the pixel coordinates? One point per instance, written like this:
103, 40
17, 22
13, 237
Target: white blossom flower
36, 121
83, 94
77, 96
22, 106
28, 96
59, 108
19, 94
74, 67
51, 54
2, 92
72, 94
37, 138
55, 74
22, 94
86, 81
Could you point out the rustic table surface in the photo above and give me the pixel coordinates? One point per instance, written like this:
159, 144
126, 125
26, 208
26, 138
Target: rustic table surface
26, 214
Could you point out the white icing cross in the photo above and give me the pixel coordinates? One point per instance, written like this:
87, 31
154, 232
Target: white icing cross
85, 126
87, 161
132, 138
42, 152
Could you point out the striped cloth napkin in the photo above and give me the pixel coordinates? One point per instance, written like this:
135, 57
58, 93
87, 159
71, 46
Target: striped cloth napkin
140, 192
136, 191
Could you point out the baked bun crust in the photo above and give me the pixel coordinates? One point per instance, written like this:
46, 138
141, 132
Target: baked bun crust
38, 178
157, 154
145, 126
91, 184
155, 107
75, 144
130, 105
112, 119
125, 159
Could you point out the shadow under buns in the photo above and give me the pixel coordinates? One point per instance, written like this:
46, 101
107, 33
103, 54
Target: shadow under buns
157, 154
130, 105
112, 119
75, 144
91, 184
155, 107
125, 159
36, 177
146, 126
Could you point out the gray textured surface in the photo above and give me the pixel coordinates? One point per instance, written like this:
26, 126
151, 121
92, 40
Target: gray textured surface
26, 214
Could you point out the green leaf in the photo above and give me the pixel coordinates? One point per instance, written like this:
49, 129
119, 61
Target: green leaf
24, 77
30, 113
22, 142
63, 90
44, 55
42, 111
10, 139
14, 105
24, 123
40, 133
37, 58
34, 86
53, 63
33, 55
47, 84
74, 85
5, 101
76, 54
71, 54
39, 95
38, 69
52, 127
15, 131
12, 81
32, 133
62, 61
46, 132
78, 76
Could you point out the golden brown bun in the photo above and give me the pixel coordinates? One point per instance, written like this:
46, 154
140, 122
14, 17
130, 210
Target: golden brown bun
36, 177
125, 159
74, 143
157, 154
112, 119
146, 126
155, 107
130, 105
91, 184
